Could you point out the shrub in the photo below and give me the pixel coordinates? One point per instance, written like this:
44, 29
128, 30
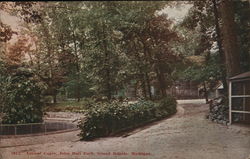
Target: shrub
168, 104
103, 119
23, 99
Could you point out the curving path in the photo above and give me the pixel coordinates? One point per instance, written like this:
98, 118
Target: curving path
186, 135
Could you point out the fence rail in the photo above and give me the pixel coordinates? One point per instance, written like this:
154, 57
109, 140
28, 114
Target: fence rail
35, 128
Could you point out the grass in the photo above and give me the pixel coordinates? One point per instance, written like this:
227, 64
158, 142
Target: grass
68, 106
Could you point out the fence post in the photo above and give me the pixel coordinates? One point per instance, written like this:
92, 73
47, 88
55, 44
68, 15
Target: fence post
230, 102
45, 129
31, 128
15, 130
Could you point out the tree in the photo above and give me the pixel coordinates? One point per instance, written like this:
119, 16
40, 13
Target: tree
49, 69
24, 10
219, 18
103, 61
219, 42
229, 38
20, 98
147, 38
242, 18
207, 74
162, 57
4, 83
15, 54
102, 45
64, 30
202, 24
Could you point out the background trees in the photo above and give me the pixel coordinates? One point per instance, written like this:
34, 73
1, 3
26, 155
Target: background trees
99, 47
146, 42
242, 17
20, 91
220, 36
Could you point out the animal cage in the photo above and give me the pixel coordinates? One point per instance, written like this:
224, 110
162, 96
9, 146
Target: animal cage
239, 98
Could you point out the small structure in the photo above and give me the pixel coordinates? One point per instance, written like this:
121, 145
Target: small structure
217, 91
239, 98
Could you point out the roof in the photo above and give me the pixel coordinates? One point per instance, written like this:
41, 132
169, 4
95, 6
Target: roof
242, 76
220, 86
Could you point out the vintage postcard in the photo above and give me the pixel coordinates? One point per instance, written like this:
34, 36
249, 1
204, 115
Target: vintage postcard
125, 79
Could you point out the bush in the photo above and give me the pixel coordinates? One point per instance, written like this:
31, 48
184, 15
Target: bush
23, 99
168, 104
103, 119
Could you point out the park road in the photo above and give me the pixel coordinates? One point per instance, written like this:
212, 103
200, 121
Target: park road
186, 135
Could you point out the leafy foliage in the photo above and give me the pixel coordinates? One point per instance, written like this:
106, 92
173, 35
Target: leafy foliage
103, 119
22, 102
15, 55
205, 42
242, 12
206, 72
4, 83
107, 43
25, 10
74, 88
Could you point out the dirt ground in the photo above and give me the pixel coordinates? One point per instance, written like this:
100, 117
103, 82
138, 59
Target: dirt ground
186, 135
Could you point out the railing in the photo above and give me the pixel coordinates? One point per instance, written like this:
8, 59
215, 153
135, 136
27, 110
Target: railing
35, 128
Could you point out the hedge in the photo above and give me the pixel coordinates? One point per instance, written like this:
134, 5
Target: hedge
103, 119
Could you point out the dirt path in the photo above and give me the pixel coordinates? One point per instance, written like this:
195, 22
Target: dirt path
187, 135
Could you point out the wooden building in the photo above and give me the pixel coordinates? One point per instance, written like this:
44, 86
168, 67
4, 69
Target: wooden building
239, 98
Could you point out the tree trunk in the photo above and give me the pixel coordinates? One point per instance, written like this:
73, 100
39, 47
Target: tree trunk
143, 78
162, 82
148, 58
77, 68
143, 85
78, 93
54, 98
229, 38
108, 90
160, 75
219, 41
148, 86
205, 92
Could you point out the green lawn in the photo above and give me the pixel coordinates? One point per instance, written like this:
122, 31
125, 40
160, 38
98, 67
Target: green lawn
68, 106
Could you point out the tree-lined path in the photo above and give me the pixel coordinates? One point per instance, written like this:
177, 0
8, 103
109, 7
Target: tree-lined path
186, 135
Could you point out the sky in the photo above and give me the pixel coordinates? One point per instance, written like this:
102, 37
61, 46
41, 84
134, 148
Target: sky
10, 20
177, 14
